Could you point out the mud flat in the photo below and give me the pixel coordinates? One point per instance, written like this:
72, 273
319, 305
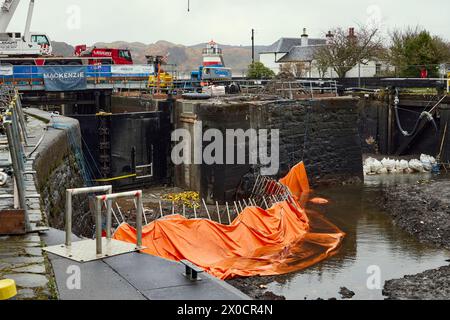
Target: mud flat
423, 210
429, 285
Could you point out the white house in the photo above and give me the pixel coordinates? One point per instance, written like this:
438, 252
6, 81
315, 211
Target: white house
295, 52
271, 56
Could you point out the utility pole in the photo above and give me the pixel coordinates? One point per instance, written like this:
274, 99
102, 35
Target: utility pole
253, 46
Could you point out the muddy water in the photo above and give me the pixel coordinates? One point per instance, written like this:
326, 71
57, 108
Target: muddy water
372, 240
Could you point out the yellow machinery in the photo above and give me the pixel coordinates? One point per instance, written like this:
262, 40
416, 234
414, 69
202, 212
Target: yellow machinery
165, 81
160, 80
8, 289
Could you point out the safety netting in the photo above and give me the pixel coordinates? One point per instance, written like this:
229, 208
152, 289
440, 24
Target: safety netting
282, 239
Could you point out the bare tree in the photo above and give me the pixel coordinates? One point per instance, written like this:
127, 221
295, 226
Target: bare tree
297, 69
347, 49
322, 64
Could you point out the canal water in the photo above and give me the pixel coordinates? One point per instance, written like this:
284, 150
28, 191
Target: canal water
373, 242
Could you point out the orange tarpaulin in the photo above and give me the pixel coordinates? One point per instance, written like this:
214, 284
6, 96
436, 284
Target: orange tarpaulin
260, 242
297, 180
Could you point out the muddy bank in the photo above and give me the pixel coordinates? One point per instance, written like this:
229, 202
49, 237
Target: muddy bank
421, 209
429, 285
257, 288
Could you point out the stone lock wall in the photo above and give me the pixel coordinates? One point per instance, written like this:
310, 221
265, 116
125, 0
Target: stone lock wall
57, 170
323, 133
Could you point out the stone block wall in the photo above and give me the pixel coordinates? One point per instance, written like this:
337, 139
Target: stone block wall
57, 169
324, 133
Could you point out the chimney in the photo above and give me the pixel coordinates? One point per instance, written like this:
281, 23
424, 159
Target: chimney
351, 32
304, 38
330, 37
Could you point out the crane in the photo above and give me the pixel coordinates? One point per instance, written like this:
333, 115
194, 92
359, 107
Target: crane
8, 9
16, 44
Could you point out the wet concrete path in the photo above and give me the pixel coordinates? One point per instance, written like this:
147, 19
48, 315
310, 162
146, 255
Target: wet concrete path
132, 276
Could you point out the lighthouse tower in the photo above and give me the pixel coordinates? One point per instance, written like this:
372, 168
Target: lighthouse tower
212, 55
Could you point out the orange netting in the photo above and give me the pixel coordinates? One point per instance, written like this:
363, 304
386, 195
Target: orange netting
259, 242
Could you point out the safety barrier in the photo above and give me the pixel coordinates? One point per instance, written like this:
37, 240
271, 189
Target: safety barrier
16, 131
90, 250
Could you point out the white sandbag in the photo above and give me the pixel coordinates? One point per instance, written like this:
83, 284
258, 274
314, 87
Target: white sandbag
369, 161
388, 164
383, 171
402, 166
416, 165
214, 91
366, 170
376, 166
426, 162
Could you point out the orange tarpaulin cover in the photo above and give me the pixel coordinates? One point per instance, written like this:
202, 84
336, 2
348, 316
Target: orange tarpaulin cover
297, 180
259, 242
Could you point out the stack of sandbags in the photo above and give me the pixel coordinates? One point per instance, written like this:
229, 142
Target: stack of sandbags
373, 166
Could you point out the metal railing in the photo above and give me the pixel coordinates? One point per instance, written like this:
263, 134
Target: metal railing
137, 195
69, 197
15, 128
99, 201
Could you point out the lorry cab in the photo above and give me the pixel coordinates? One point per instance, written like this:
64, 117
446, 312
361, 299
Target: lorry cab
114, 56
15, 44
42, 41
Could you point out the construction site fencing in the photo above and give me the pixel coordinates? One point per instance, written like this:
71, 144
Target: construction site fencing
14, 127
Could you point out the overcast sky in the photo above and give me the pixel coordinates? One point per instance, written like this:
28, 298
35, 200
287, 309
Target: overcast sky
226, 21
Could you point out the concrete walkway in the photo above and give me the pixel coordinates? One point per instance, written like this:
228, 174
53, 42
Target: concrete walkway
21, 257
133, 276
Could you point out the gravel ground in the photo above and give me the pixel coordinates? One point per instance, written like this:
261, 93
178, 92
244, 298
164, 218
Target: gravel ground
423, 210
430, 285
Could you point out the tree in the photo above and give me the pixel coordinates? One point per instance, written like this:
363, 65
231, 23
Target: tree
345, 50
297, 69
414, 50
322, 65
258, 70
